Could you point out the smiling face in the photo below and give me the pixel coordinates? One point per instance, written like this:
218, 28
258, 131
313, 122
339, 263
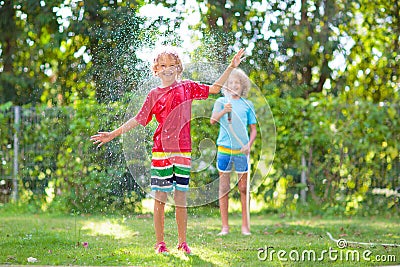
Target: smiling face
235, 86
167, 66
238, 84
167, 70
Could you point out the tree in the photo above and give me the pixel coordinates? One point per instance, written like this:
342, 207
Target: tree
111, 33
372, 71
29, 32
56, 51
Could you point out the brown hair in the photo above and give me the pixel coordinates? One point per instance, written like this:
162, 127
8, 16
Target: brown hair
168, 51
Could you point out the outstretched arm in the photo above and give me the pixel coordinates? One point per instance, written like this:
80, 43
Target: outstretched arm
216, 87
103, 137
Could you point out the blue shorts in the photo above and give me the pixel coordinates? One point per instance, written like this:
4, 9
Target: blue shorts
225, 162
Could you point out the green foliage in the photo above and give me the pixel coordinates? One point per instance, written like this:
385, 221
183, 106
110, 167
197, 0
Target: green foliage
28, 49
203, 145
337, 48
118, 35
60, 169
373, 71
6, 151
350, 150
39, 149
345, 51
94, 179
48, 55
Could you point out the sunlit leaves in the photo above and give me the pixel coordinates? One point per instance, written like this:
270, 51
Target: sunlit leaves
350, 149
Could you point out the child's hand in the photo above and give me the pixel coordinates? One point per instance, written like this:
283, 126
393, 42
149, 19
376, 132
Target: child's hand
227, 107
245, 149
101, 138
237, 58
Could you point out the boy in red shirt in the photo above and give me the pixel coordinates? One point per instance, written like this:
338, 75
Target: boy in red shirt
171, 104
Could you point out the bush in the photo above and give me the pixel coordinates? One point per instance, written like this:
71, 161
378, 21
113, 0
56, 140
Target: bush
61, 169
350, 149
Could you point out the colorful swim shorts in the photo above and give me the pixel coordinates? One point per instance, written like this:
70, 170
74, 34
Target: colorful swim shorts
170, 170
227, 157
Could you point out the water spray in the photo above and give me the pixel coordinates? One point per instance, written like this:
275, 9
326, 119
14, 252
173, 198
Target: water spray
137, 150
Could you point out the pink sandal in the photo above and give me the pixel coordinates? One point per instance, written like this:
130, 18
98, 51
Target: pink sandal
184, 247
161, 248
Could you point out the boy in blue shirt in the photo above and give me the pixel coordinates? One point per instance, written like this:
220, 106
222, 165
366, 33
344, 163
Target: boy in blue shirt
235, 114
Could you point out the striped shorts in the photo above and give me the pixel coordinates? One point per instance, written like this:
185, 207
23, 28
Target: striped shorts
170, 170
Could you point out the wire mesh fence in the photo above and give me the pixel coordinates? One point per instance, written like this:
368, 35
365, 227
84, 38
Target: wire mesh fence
30, 138
354, 153
7, 172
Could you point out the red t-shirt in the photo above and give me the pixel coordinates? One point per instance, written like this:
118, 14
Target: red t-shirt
172, 107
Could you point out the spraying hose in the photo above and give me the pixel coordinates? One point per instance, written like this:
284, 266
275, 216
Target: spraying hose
228, 96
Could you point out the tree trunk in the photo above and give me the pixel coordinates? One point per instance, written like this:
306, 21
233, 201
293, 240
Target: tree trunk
8, 29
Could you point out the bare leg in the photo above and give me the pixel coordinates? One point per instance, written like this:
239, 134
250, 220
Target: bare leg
159, 207
181, 215
224, 188
243, 190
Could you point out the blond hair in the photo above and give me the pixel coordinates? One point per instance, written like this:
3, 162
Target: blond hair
167, 51
245, 82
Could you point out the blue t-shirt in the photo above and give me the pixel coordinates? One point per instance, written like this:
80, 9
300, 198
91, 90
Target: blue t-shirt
243, 114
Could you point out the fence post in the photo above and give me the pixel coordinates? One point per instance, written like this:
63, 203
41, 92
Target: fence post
17, 116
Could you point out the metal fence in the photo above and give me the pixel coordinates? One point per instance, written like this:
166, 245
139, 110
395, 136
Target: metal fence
27, 156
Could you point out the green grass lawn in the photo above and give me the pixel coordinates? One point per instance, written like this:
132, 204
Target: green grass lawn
118, 240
